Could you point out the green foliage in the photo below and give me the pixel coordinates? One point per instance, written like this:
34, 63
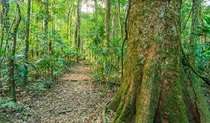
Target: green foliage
106, 55
205, 26
40, 85
203, 49
43, 65
203, 55
7, 103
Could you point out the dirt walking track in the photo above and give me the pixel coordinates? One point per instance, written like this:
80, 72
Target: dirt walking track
76, 98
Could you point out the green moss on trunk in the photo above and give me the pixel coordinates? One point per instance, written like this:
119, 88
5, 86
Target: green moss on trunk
152, 88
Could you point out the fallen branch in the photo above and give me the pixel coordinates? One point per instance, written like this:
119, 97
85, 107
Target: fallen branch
67, 111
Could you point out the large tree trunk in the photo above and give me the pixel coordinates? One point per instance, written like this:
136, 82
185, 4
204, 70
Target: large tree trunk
152, 89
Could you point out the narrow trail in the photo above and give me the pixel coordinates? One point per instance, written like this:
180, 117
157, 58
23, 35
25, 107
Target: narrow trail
76, 98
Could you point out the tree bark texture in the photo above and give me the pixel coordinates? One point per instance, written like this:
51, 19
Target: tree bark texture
4, 25
12, 57
46, 21
77, 40
25, 79
107, 23
4, 20
194, 29
152, 91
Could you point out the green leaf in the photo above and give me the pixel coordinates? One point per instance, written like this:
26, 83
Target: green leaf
108, 69
10, 104
207, 19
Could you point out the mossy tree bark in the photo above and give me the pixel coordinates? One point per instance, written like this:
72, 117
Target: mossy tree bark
4, 25
194, 29
152, 90
197, 109
4, 20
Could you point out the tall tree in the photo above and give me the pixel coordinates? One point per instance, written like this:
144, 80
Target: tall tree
114, 23
107, 23
77, 39
12, 57
96, 9
27, 41
51, 42
46, 20
196, 106
119, 19
5, 32
4, 19
194, 29
152, 89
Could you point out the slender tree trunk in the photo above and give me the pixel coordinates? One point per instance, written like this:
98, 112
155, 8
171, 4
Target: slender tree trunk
51, 47
6, 33
12, 57
152, 91
32, 23
2, 30
25, 79
107, 63
46, 4
1, 43
45, 27
73, 28
107, 23
77, 39
4, 25
197, 110
203, 37
96, 10
4, 20
70, 25
114, 24
37, 38
119, 19
67, 21
125, 39
194, 29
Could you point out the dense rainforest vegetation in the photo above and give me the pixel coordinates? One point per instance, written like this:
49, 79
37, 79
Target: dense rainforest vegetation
131, 61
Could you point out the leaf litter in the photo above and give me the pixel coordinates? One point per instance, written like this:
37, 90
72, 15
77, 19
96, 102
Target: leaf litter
75, 98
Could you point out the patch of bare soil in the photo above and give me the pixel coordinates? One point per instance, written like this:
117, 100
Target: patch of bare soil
76, 98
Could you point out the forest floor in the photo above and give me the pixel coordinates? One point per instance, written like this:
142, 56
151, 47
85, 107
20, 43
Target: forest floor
75, 98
